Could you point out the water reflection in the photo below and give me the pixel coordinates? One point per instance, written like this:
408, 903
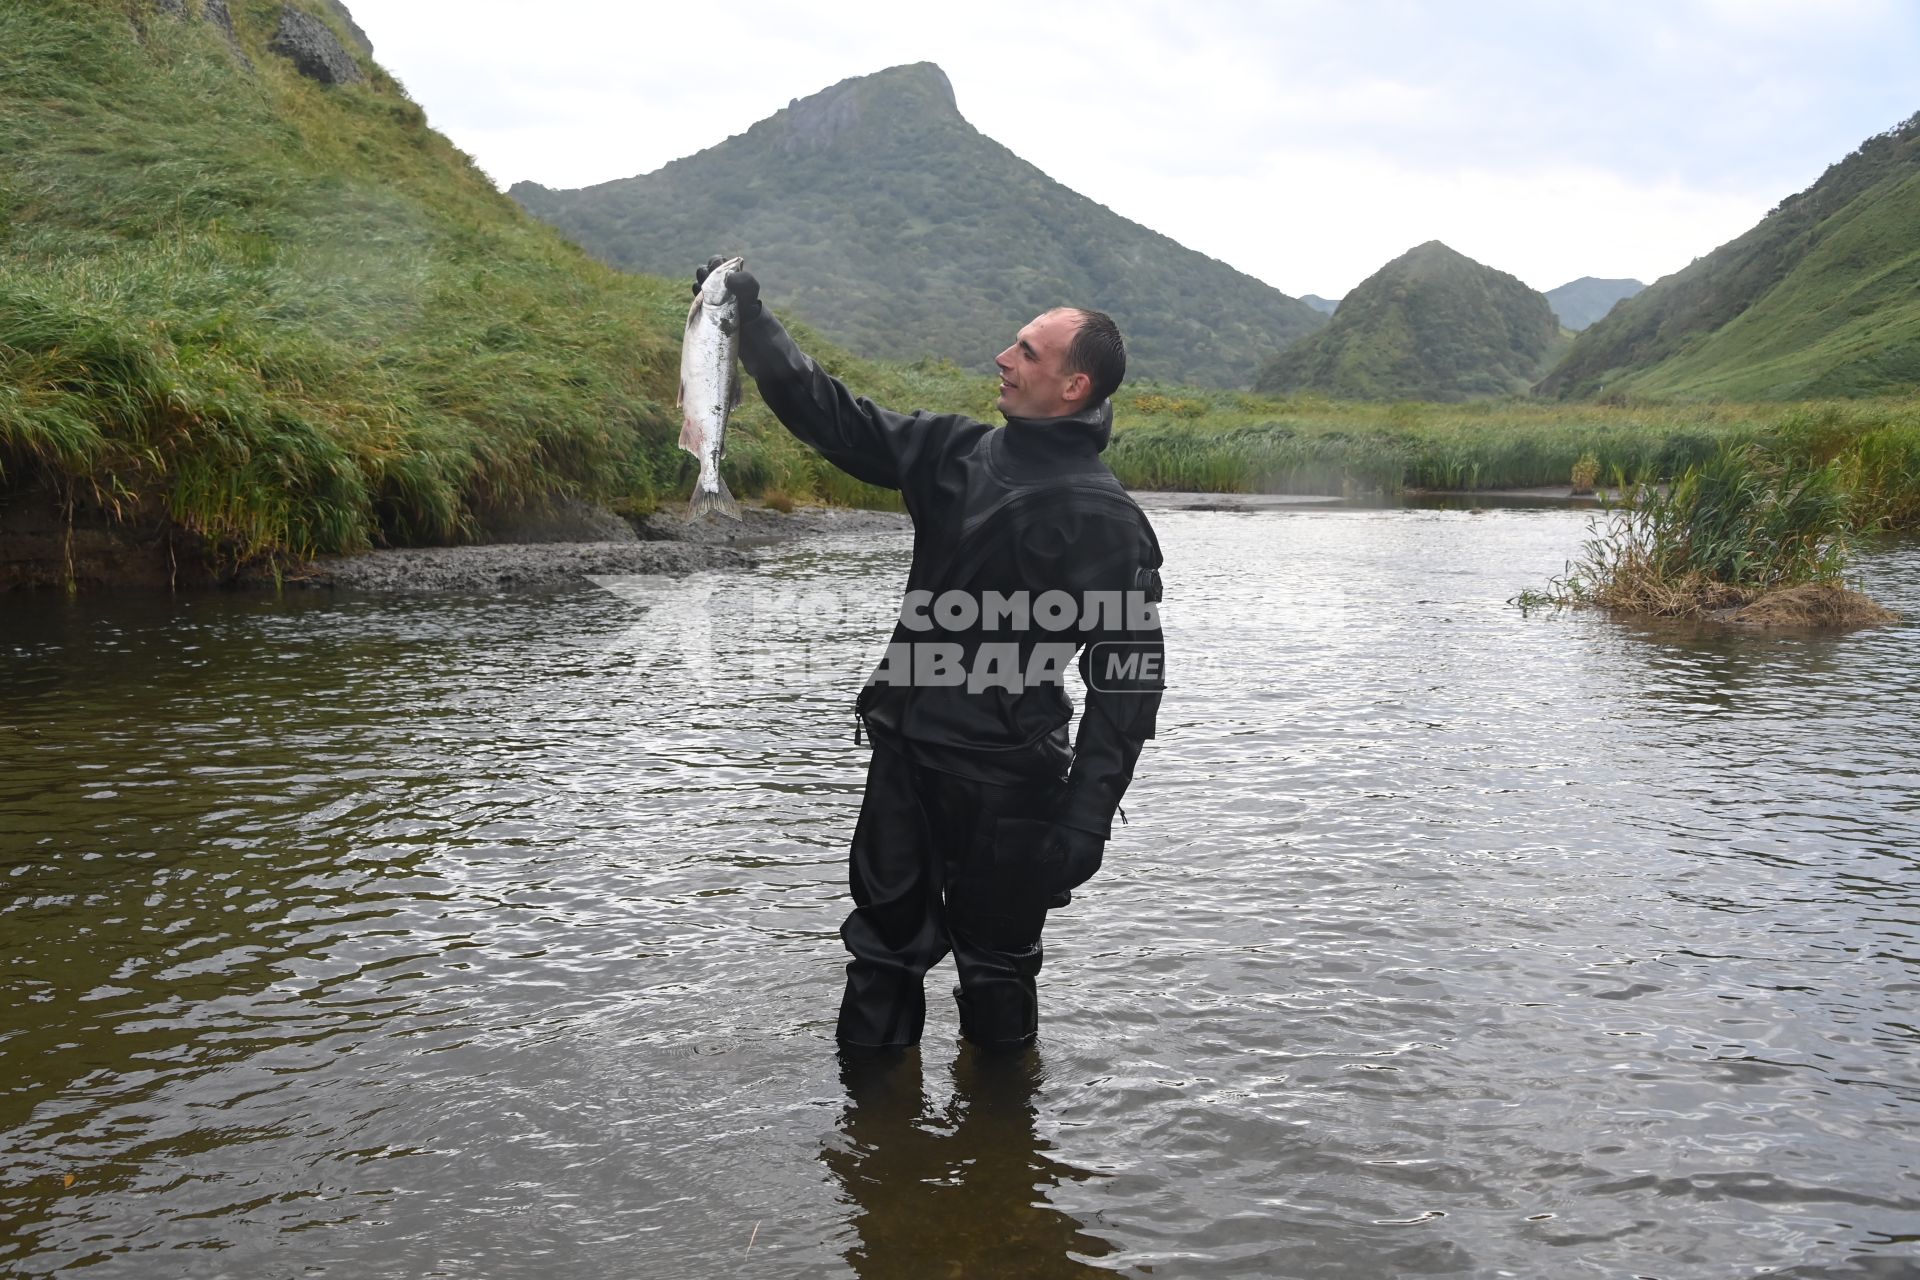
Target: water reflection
958, 1190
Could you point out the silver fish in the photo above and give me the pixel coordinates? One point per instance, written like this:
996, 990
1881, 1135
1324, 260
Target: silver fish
710, 387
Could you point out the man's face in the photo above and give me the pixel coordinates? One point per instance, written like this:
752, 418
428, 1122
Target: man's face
1034, 382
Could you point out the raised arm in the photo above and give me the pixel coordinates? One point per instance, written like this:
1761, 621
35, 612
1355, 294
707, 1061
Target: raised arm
866, 441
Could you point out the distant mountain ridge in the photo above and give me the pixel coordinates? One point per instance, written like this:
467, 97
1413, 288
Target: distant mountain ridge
1821, 298
1326, 306
876, 212
1580, 302
1433, 324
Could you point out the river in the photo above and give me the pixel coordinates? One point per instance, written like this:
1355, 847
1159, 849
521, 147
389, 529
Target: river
496, 936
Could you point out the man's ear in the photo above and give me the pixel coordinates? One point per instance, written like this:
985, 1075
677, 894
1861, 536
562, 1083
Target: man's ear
1079, 386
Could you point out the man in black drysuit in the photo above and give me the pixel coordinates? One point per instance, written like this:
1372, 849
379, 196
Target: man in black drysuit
977, 816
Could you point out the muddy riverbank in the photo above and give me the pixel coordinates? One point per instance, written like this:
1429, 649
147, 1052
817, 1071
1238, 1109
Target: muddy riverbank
564, 546
46, 544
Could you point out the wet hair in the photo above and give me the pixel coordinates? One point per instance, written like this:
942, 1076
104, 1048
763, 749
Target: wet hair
1097, 351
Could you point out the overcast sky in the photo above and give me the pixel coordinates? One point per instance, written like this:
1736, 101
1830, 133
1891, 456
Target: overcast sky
1306, 142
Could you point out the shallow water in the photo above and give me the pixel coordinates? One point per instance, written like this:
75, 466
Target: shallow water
496, 936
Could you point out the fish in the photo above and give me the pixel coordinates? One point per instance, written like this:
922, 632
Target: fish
710, 387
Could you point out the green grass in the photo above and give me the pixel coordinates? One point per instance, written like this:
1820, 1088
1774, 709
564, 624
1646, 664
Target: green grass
1180, 438
1783, 509
1874, 450
1247, 443
1207, 440
291, 318
1819, 300
1750, 520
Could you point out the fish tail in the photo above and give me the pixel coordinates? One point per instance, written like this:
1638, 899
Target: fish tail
714, 501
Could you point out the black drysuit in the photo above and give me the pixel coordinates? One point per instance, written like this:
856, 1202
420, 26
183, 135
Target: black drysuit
966, 777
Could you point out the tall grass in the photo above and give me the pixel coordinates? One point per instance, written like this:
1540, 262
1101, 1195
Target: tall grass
291, 318
1874, 448
1235, 442
1239, 442
1748, 521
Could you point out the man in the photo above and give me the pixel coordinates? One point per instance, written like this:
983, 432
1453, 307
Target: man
977, 816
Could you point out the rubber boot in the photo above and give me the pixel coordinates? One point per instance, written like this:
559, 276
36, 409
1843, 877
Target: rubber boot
1001, 1017
879, 1011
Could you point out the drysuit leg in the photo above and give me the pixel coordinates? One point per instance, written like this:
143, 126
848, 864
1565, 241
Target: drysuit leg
896, 931
996, 899
941, 862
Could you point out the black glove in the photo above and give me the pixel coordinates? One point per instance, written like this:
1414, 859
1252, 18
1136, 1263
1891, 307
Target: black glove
1071, 856
740, 284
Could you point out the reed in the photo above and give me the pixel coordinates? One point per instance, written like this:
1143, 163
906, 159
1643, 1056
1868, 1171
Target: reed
1874, 447
1249, 443
1750, 521
1246, 443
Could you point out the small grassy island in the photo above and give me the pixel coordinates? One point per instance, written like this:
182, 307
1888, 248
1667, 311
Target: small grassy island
1758, 534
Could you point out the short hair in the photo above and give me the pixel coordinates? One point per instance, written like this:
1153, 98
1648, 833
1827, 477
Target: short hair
1097, 351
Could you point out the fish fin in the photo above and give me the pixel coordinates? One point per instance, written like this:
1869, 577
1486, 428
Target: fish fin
715, 501
690, 434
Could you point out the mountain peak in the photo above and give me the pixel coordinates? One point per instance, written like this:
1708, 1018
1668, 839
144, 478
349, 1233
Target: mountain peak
1432, 254
1580, 302
1433, 324
818, 120
876, 213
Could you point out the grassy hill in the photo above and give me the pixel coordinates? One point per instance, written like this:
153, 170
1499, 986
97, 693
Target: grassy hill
1432, 324
273, 314
1578, 303
1822, 298
875, 211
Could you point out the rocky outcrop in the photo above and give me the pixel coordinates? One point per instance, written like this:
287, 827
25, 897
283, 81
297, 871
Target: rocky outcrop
815, 122
354, 33
216, 12
313, 48
211, 11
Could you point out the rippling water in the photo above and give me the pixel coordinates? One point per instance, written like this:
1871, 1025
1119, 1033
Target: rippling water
496, 937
